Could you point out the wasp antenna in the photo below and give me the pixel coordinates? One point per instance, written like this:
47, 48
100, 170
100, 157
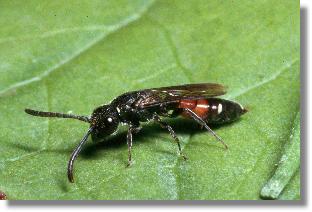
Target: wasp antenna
74, 155
56, 115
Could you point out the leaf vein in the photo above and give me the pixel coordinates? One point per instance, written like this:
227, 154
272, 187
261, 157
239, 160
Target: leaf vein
14, 159
173, 48
115, 28
265, 81
55, 32
262, 151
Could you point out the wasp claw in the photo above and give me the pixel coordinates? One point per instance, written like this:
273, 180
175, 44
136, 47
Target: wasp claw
129, 164
183, 156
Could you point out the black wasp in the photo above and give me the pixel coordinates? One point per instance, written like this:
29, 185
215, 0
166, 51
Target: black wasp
195, 101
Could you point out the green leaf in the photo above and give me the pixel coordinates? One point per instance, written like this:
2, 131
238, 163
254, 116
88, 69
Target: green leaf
288, 165
74, 56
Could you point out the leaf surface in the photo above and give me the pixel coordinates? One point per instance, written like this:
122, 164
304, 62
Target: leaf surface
64, 56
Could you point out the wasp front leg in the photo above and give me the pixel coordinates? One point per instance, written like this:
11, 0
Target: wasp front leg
131, 130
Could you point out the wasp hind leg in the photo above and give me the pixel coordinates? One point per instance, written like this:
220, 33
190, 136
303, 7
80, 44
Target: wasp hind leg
204, 124
157, 119
130, 132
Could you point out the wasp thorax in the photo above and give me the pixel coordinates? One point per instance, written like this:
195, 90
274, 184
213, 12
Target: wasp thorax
105, 121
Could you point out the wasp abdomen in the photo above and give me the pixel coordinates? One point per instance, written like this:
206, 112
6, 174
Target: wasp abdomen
201, 107
213, 110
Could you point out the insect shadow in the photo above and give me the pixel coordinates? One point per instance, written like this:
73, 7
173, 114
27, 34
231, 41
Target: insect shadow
93, 149
181, 126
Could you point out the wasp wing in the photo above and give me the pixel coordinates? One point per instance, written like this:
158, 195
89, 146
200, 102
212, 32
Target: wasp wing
166, 95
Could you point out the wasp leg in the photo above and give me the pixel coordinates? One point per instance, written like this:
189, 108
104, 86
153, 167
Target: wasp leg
172, 133
131, 130
204, 124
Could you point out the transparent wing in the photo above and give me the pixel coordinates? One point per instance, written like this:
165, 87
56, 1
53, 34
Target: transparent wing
167, 95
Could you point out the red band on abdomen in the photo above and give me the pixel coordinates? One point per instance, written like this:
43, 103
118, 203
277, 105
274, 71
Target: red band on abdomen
190, 104
200, 107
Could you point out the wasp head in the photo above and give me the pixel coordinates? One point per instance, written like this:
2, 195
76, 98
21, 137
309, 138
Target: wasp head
104, 121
